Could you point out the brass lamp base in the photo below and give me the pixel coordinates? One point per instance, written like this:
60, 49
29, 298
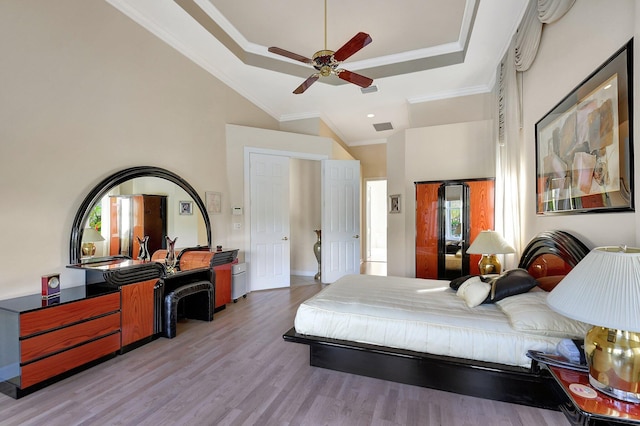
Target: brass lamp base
88, 249
613, 357
489, 264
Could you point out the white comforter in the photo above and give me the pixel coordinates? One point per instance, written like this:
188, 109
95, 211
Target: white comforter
419, 315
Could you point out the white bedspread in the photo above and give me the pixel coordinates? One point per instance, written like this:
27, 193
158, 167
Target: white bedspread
416, 314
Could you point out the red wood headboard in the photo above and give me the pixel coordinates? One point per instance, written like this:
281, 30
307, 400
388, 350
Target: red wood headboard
550, 255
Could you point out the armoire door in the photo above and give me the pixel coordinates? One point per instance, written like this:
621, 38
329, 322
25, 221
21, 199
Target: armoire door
427, 230
481, 214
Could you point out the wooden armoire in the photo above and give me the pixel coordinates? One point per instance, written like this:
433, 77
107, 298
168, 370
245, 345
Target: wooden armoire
134, 216
433, 242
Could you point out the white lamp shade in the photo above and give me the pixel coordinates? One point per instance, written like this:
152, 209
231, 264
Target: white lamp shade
490, 242
90, 235
602, 290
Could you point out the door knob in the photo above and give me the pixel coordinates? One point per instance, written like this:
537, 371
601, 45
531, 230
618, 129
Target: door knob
285, 239
356, 236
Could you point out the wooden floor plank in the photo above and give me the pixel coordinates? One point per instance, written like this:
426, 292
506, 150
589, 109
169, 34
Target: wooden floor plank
238, 370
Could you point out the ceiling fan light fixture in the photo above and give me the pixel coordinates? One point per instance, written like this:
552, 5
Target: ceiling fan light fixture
327, 61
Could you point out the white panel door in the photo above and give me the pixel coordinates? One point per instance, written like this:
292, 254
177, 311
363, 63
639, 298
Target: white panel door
340, 253
270, 245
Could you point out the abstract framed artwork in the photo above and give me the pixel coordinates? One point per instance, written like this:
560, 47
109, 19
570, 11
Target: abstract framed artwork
584, 145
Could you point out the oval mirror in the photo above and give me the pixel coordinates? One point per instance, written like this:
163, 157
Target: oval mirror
138, 202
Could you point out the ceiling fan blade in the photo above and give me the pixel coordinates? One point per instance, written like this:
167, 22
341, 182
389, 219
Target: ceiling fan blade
305, 85
358, 41
354, 78
290, 55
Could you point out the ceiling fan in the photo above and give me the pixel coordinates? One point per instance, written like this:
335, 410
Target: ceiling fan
327, 61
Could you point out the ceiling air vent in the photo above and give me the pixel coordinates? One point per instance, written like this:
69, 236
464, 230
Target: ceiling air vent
383, 126
370, 89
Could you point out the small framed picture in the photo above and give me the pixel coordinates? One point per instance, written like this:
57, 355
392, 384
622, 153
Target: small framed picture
394, 203
214, 202
186, 207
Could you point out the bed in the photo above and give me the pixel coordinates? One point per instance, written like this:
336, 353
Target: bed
402, 331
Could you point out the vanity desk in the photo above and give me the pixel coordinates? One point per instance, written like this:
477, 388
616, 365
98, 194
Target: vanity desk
220, 261
46, 340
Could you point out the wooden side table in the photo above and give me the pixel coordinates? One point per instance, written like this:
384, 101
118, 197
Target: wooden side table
586, 406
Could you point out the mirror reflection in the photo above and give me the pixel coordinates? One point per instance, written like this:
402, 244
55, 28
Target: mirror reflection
453, 225
142, 207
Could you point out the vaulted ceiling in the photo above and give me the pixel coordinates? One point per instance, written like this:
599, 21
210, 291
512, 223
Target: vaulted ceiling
422, 50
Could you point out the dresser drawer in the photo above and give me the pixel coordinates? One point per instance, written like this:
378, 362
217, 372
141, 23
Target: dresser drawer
64, 361
44, 344
68, 313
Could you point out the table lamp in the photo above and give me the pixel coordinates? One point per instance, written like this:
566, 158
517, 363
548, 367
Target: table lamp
90, 236
604, 290
488, 244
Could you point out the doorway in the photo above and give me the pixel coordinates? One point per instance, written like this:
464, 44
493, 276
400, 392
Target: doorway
376, 220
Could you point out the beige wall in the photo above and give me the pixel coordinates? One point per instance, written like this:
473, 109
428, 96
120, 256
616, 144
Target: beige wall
87, 92
452, 110
305, 215
570, 50
373, 160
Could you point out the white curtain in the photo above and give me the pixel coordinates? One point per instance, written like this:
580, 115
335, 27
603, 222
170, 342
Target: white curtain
508, 157
519, 57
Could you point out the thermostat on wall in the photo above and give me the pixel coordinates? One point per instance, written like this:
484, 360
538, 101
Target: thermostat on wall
236, 211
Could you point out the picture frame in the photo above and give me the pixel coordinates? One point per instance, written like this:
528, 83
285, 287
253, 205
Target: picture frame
214, 202
584, 145
394, 203
185, 208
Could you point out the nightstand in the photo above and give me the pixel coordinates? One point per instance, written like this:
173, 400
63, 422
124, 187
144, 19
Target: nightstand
586, 406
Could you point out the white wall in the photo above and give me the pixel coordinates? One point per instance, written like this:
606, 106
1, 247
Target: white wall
446, 152
570, 50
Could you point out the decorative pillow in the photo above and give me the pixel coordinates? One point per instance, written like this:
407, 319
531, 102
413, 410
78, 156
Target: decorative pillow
549, 283
530, 313
474, 291
457, 282
509, 283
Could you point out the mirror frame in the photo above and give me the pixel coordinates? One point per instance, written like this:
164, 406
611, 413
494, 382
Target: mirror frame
442, 228
106, 185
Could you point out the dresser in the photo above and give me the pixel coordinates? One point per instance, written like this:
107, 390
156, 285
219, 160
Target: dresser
42, 340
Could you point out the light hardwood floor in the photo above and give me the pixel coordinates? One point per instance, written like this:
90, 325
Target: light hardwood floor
237, 370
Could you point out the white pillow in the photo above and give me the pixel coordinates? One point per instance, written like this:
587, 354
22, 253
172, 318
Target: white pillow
473, 291
529, 312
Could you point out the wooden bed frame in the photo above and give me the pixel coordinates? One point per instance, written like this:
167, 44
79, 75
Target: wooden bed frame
527, 386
